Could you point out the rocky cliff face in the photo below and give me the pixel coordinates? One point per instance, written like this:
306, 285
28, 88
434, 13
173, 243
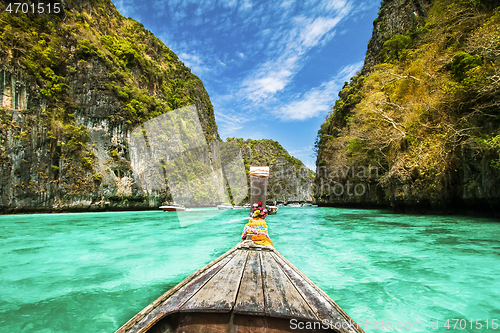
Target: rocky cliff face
73, 87
395, 17
289, 179
423, 115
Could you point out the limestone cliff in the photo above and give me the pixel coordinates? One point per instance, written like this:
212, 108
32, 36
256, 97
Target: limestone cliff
418, 129
289, 179
394, 17
73, 86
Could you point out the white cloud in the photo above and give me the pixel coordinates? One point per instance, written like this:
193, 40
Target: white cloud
273, 41
349, 71
287, 49
317, 29
266, 84
229, 124
318, 100
194, 62
126, 8
245, 5
180, 15
228, 3
287, 4
336, 6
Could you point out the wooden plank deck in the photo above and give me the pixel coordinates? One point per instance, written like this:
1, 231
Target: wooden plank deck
251, 294
282, 298
219, 295
249, 279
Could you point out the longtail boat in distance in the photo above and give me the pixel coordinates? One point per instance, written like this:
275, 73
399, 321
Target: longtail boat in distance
250, 288
272, 210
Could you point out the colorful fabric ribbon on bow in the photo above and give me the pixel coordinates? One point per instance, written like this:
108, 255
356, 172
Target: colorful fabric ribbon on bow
258, 229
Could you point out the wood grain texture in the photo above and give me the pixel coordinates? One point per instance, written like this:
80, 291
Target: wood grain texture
219, 294
182, 295
323, 309
250, 299
352, 328
281, 297
252, 281
128, 326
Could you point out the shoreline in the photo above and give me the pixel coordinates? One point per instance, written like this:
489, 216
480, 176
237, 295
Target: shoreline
399, 209
21, 211
422, 209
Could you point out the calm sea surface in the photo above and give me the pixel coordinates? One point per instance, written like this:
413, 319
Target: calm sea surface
91, 272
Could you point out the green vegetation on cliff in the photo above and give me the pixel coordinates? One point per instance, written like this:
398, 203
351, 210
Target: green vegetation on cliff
72, 86
264, 153
145, 74
428, 113
289, 180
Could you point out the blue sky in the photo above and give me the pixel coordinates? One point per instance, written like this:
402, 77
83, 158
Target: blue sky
272, 69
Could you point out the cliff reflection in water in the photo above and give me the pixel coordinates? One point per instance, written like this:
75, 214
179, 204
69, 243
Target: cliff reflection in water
170, 154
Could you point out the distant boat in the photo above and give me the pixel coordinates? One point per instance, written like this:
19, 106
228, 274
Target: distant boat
173, 208
280, 205
307, 204
272, 210
294, 205
247, 205
225, 206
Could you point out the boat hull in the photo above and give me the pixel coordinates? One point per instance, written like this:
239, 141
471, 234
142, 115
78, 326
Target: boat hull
173, 209
250, 288
232, 322
221, 207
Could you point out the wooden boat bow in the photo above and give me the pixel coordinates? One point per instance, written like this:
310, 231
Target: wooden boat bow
248, 280
250, 288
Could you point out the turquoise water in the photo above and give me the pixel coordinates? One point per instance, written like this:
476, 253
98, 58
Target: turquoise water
91, 272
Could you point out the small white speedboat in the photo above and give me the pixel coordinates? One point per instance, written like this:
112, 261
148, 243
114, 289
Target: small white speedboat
173, 208
225, 206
